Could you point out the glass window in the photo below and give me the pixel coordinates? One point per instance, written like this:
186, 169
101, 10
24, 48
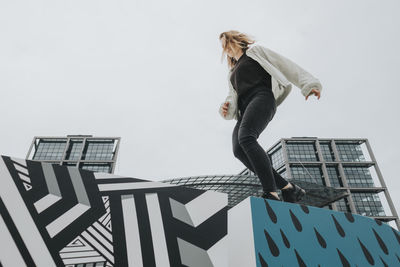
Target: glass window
368, 204
327, 151
95, 167
50, 149
276, 157
308, 174
358, 177
74, 150
301, 151
98, 150
343, 205
333, 175
350, 152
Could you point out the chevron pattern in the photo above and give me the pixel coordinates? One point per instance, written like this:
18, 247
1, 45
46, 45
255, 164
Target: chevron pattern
94, 245
63, 216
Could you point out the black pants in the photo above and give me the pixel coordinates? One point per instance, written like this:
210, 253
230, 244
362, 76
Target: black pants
257, 110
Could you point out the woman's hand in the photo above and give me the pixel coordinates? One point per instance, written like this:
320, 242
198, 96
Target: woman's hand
225, 108
315, 92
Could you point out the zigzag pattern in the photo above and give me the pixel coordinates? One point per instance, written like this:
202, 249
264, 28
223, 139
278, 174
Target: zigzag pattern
94, 245
74, 217
48, 214
193, 214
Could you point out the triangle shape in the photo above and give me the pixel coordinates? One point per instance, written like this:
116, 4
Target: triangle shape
27, 186
109, 226
77, 242
80, 252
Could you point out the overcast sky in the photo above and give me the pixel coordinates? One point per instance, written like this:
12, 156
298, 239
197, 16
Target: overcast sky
151, 73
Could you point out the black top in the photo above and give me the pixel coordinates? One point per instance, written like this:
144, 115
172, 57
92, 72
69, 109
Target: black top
248, 76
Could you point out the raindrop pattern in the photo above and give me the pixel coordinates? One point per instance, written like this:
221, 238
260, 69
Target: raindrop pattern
305, 209
367, 254
338, 227
349, 217
299, 259
271, 212
284, 239
383, 262
378, 222
262, 261
343, 259
271, 244
295, 221
380, 242
320, 239
309, 236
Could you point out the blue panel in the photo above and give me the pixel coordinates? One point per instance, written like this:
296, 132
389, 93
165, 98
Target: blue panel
288, 234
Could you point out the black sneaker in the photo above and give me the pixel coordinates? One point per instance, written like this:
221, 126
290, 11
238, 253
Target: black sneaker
294, 194
268, 195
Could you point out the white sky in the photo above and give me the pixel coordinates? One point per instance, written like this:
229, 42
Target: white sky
150, 72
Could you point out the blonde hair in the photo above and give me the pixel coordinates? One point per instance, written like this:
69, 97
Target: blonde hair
232, 40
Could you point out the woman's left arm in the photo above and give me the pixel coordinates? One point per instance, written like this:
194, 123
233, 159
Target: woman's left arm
314, 91
294, 73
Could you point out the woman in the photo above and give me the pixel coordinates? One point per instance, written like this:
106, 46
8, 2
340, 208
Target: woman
259, 80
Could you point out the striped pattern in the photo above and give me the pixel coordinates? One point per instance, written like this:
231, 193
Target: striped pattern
55, 209
22, 172
32, 246
94, 245
55, 215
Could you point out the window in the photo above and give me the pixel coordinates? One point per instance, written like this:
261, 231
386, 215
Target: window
96, 167
98, 150
308, 174
327, 151
358, 177
343, 205
277, 159
350, 152
333, 175
50, 149
301, 152
368, 204
74, 150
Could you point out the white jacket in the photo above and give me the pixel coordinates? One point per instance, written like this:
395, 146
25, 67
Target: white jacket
283, 72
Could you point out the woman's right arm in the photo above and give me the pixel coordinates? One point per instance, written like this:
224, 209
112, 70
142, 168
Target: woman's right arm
231, 111
232, 100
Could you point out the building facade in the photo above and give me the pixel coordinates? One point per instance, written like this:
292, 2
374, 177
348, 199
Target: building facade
347, 164
97, 154
320, 165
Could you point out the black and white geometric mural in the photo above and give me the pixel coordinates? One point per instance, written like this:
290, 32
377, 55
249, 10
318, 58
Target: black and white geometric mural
64, 216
